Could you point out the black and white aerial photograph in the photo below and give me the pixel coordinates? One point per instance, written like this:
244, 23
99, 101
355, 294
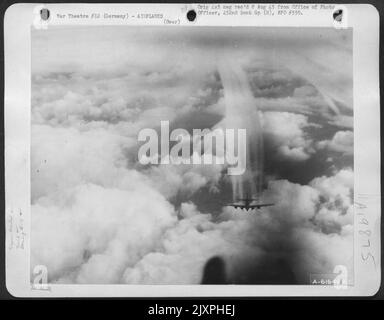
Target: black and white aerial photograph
192, 155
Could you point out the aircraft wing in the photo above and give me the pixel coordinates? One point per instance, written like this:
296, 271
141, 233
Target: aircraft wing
258, 206
236, 205
251, 206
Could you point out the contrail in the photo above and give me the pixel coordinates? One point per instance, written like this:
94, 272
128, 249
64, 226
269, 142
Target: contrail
241, 112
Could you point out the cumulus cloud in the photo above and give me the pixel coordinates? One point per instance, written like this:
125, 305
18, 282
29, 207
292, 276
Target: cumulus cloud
67, 99
66, 157
100, 217
184, 179
287, 132
96, 219
319, 216
342, 142
88, 234
90, 209
94, 234
185, 249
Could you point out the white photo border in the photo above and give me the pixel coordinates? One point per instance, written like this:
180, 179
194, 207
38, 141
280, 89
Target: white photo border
362, 18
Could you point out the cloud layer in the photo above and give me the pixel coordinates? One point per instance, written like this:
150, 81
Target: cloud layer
100, 217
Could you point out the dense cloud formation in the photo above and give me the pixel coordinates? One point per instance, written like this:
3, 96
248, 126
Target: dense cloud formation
98, 216
290, 139
341, 142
